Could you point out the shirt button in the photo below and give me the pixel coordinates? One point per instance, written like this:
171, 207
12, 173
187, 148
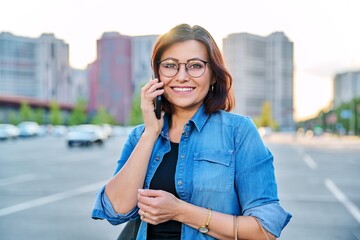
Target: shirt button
179, 182
157, 158
182, 156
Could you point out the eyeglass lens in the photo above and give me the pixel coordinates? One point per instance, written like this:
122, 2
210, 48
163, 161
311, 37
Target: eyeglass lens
170, 67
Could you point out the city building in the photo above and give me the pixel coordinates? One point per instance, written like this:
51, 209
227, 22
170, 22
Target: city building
37, 71
35, 67
54, 79
18, 66
111, 85
262, 70
346, 87
141, 59
79, 85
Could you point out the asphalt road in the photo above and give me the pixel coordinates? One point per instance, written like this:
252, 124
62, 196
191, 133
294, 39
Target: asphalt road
319, 183
47, 190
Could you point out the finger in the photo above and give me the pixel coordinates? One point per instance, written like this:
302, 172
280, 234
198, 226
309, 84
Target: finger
149, 93
148, 220
155, 89
150, 192
153, 82
147, 86
142, 213
146, 216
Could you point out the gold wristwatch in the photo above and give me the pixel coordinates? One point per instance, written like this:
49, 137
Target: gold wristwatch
205, 228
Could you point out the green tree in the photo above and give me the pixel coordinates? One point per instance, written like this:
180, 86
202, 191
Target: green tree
26, 112
55, 114
135, 112
39, 115
102, 116
78, 114
265, 119
14, 118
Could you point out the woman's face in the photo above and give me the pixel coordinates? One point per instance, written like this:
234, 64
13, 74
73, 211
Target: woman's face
182, 90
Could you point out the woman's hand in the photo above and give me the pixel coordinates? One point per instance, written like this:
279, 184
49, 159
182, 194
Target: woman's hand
157, 206
149, 92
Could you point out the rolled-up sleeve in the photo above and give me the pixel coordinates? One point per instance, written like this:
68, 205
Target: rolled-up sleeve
103, 209
271, 216
256, 183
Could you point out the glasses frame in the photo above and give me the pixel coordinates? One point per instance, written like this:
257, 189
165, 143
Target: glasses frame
185, 64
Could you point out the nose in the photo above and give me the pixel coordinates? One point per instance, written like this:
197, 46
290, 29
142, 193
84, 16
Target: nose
182, 75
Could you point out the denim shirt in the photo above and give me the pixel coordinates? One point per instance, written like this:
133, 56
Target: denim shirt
222, 165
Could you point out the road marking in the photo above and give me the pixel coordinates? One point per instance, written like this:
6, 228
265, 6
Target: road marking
17, 179
51, 198
341, 197
310, 162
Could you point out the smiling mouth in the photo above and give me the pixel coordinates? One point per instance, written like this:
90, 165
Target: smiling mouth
183, 89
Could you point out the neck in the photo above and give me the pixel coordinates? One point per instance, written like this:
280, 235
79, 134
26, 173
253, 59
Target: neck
181, 117
178, 120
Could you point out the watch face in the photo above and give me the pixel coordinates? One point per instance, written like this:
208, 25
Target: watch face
203, 229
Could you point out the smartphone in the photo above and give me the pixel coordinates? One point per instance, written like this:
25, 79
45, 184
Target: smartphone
157, 104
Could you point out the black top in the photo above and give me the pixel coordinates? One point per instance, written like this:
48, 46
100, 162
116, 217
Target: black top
164, 180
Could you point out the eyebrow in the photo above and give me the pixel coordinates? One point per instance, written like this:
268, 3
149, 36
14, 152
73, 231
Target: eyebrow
177, 60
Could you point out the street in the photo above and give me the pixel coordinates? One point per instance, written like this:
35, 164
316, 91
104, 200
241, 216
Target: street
47, 190
319, 183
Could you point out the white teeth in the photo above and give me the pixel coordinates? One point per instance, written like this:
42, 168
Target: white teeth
183, 89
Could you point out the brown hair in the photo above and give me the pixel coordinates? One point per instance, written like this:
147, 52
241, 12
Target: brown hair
220, 97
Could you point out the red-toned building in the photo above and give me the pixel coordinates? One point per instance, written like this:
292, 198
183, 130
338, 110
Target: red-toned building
110, 77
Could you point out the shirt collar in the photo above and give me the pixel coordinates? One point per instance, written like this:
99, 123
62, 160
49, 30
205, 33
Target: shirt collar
200, 118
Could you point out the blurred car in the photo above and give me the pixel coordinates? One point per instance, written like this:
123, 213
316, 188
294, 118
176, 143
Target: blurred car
264, 131
28, 129
121, 131
8, 131
107, 129
85, 135
59, 130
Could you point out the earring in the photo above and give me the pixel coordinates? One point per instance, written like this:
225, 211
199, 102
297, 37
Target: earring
212, 88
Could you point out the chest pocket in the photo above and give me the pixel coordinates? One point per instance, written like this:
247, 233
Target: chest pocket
214, 170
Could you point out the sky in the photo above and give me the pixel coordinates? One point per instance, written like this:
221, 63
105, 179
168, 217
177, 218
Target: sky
325, 33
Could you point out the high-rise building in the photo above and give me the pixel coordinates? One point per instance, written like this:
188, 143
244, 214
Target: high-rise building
262, 70
141, 59
18, 62
111, 85
35, 67
346, 87
79, 85
54, 79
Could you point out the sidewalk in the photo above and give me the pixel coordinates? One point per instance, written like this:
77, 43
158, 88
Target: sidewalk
327, 140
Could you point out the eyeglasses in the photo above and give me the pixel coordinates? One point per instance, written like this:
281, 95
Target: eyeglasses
169, 67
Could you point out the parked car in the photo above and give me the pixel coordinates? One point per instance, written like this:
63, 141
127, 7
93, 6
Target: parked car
28, 129
107, 129
264, 131
59, 130
8, 131
85, 135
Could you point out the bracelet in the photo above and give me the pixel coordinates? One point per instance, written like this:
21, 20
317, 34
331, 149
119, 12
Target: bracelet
235, 226
205, 228
262, 228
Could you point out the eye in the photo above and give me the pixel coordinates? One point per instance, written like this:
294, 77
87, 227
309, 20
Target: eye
169, 64
195, 65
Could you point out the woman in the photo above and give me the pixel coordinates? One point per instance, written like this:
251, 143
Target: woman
198, 172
